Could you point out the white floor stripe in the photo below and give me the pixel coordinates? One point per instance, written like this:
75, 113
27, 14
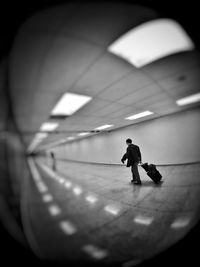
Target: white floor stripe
41, 187
68, 184
112, 209
54, 210
47, 198
36, 176
92, 199
95, 252
77, 190
67, 227
61, 180
180, 223
140, 219
34, 171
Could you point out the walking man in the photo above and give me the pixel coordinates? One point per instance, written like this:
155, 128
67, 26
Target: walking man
133, 157
53, 161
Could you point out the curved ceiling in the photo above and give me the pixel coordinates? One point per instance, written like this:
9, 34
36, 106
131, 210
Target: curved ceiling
64, 49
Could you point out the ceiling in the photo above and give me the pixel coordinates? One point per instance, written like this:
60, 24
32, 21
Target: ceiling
64, 49
3, 109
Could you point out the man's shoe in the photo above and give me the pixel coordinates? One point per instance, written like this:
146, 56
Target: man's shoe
138, 183
133, 181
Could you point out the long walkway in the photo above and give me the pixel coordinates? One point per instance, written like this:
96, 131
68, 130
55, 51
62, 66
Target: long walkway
91, 212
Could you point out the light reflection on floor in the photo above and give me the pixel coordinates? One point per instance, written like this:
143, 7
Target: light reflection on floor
114, 228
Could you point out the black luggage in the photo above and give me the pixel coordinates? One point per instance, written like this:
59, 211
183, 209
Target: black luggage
152, 172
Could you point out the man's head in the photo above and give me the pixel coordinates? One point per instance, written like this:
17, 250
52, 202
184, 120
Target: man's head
128, 142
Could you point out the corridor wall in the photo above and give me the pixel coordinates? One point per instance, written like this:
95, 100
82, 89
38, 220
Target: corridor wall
167, 140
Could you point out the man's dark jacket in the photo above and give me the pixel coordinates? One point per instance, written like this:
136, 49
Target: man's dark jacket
132, 154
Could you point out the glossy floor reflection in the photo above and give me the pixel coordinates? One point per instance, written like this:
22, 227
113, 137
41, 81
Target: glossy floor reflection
92, 212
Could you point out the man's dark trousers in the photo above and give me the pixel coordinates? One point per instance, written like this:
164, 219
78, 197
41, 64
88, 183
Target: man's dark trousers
135, 173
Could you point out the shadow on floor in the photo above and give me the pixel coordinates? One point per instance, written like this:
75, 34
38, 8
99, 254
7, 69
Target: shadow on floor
148, 184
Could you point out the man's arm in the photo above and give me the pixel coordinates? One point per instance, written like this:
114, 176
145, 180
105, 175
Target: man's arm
124, 158
126, 155
128, 152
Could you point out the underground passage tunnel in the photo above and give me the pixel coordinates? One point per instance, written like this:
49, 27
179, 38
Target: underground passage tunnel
80, 80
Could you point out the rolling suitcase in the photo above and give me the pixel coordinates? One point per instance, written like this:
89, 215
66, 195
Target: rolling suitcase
152, 172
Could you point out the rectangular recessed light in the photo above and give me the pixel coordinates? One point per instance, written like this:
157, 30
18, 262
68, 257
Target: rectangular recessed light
70, 138
104, 127
84, 133
139, 115
49, 126
40, 136
69, 104
188, 100
151, 41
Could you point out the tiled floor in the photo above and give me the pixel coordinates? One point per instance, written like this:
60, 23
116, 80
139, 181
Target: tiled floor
92, 212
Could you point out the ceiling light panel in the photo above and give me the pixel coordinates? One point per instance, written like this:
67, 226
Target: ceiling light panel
70, 138
104, 127
83, 134
48, 126
40, 136
139, 115
188, 100
151, 41
70, 103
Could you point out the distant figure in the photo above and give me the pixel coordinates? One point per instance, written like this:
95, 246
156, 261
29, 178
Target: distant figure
133, 156
53, 161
